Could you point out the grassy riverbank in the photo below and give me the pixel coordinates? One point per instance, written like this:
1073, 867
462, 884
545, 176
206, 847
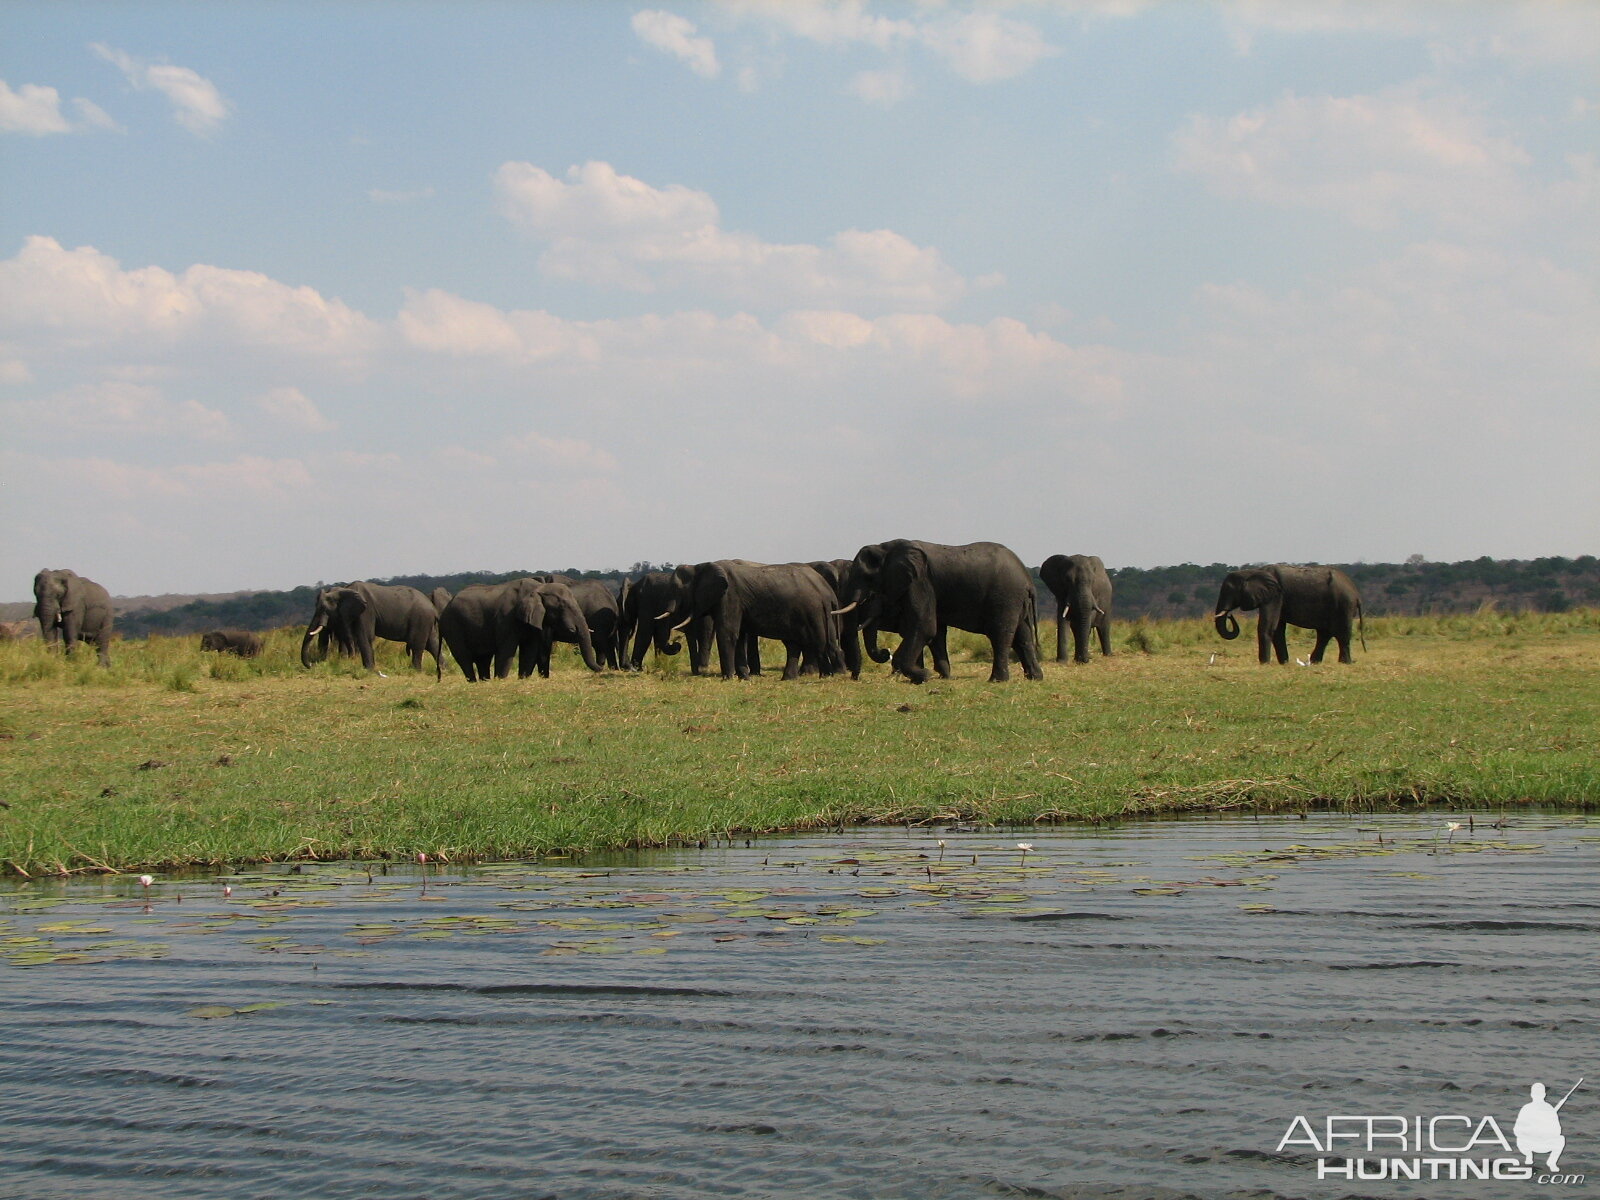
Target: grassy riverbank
172, 757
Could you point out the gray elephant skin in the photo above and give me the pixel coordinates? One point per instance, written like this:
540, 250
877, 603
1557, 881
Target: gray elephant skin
354, 615
787, 602
1319, 598
654, 606
73, 609
231, 641
921, 589
835, 573
601, 611
1083, 601
487, 626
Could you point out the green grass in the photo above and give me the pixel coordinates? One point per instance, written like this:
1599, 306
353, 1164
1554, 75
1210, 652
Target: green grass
172, 757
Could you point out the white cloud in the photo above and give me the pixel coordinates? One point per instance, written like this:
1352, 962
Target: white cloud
117, 409
57, 300
1371, 158
675, 35
984, 47
828, 22
980, 46
611, 230
196, 103
293, 408
437, 322
1528, 32
36, 109
570, 455
880, 87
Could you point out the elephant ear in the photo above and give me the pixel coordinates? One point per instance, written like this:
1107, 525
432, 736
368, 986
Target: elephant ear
710, 585
350, 602
1260, 587
869, 560
902, 570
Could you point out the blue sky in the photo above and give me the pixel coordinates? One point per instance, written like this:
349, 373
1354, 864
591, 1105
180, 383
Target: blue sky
311, 291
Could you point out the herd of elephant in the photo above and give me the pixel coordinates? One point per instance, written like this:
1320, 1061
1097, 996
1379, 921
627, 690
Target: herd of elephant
824, 613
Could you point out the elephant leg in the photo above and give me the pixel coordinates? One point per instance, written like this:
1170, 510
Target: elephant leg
1103, 627
1061, 635
1324, 636
1264, 639
795, 656
940, 650
1001, 640
1280, 641
907, 658
850, 644
1026, 644
728, 651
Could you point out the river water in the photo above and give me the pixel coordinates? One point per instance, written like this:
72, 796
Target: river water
1134, 1012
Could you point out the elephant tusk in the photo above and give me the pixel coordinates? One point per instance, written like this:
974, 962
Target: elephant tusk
314, 632
1224, 612
675, 628
663, 616
839, 612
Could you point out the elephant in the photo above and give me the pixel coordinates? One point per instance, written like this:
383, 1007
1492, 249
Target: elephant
655, 605
1083, 600
601, 611
627, 622
440, 597
486, 625
1320, 598
920, 589
73, 609
231, 641
357, 613
835, 573
788, 602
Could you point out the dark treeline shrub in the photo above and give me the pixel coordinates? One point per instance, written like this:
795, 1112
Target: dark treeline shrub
1413, 588
1388, 589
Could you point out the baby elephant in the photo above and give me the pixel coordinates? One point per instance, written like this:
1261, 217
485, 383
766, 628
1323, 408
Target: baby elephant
231, 641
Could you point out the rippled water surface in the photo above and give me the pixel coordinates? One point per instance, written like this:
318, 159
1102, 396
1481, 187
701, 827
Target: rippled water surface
1135, 1012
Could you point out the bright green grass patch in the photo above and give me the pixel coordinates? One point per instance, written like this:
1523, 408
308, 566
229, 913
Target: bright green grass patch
175, 757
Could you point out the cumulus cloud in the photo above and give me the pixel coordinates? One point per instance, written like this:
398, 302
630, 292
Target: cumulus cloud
612, 230
880, 87
197, 105
984, 47
1370, 158
1528, 32
294, 409
57, 300
979, 46
570, 455
119, 409
36, 109
675, 35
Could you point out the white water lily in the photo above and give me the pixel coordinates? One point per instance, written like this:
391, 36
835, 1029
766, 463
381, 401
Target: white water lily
146, 880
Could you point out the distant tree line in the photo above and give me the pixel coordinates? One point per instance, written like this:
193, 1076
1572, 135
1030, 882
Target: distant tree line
1411, 588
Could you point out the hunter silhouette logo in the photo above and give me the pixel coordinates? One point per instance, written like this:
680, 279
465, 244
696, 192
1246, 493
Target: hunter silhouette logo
1538, 1128
1447, 1146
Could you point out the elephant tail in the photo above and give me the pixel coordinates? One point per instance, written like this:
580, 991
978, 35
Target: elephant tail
1361, 624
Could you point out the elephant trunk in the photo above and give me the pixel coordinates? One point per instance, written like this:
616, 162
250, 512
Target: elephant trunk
869, 639
1227, 626
306, 655
49, 614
